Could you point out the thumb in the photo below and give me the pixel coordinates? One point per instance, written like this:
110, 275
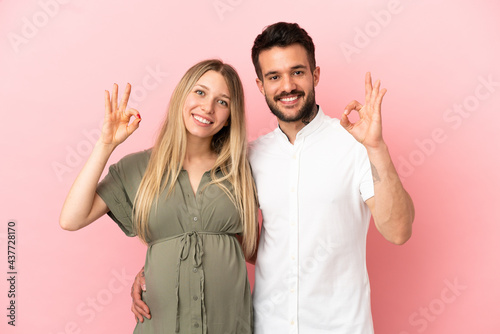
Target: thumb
135, 123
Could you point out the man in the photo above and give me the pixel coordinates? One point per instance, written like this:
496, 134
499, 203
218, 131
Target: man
318, 181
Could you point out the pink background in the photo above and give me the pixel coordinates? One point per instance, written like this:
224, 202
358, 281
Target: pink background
57, 58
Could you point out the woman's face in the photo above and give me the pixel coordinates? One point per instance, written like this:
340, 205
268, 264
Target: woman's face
206, 109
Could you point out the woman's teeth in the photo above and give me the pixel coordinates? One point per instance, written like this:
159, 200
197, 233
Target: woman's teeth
201, 119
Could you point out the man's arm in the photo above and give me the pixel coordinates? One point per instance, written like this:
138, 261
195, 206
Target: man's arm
139, 308
391, 206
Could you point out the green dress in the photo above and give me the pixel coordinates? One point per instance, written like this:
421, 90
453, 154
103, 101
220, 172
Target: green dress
195, 271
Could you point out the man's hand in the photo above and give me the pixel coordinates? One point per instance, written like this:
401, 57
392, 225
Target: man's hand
368, 129
139, 308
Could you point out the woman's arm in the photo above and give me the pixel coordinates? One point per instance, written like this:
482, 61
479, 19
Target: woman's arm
82, 205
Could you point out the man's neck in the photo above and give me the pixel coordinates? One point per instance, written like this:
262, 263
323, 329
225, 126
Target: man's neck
290, 129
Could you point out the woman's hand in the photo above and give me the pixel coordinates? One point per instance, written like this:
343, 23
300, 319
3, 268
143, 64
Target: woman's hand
116, 127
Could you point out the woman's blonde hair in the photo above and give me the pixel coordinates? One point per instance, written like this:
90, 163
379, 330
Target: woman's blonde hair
229, 143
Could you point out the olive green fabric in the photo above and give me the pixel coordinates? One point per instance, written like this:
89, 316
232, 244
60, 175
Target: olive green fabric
195, 270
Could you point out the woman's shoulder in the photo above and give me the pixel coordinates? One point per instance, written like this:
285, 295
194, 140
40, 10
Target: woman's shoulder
134, 162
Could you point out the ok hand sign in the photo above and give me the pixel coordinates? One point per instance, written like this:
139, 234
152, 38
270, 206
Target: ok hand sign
116, 127
368, 129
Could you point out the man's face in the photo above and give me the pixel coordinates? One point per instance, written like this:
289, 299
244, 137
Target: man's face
288, 82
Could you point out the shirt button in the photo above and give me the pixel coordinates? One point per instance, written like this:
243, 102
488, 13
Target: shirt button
196, 325
195, 297
195, 219
195, 270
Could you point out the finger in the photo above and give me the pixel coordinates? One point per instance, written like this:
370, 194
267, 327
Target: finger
375, 91
125, 97
137, 303
142, 308
353, 105
107, 103
132, 112
381, 96
138, 316
368, 86
131, 129
378, 101
139, 307
134, 125
114, 98
344, 121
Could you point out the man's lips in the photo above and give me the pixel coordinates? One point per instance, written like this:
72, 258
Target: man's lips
290, 97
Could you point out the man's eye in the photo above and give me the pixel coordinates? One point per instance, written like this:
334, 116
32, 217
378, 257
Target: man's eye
274, 77
298, 72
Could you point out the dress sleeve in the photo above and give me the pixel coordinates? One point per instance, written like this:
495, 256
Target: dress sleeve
119, 187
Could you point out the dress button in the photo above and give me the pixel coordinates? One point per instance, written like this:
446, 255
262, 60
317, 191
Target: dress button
195, 297
196, 325
195, 270
195, 219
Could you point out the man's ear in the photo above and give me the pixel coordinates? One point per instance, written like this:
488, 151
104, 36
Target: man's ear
260, 85
316, 76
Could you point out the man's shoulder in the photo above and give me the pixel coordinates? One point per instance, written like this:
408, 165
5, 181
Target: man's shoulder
263, 141
331, 127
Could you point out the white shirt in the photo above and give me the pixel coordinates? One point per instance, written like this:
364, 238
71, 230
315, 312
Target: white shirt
311, 275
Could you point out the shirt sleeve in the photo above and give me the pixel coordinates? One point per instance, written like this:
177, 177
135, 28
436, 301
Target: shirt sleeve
366, 179
119, 187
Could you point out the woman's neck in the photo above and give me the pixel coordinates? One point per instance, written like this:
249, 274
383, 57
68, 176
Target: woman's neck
199, 149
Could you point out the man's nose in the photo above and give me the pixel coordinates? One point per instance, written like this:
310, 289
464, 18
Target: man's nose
288, 84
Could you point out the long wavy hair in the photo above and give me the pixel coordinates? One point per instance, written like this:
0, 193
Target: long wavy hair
229, 143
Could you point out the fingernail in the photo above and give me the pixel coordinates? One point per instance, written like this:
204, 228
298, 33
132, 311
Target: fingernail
143, 287
138, 115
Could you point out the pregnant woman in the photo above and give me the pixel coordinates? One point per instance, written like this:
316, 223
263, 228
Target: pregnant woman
191, 198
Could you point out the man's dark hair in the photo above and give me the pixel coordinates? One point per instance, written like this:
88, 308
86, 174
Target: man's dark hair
282, 34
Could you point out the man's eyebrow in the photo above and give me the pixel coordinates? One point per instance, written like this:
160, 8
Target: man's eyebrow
296, 67
270, 73
203, 86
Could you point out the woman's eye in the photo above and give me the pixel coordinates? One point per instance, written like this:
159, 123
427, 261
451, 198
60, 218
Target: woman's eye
224, 103
199, 92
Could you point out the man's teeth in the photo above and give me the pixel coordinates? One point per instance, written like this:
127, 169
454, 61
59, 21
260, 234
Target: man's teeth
201, 119
289, 99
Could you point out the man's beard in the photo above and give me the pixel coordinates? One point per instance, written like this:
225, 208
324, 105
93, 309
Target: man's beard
305, 113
